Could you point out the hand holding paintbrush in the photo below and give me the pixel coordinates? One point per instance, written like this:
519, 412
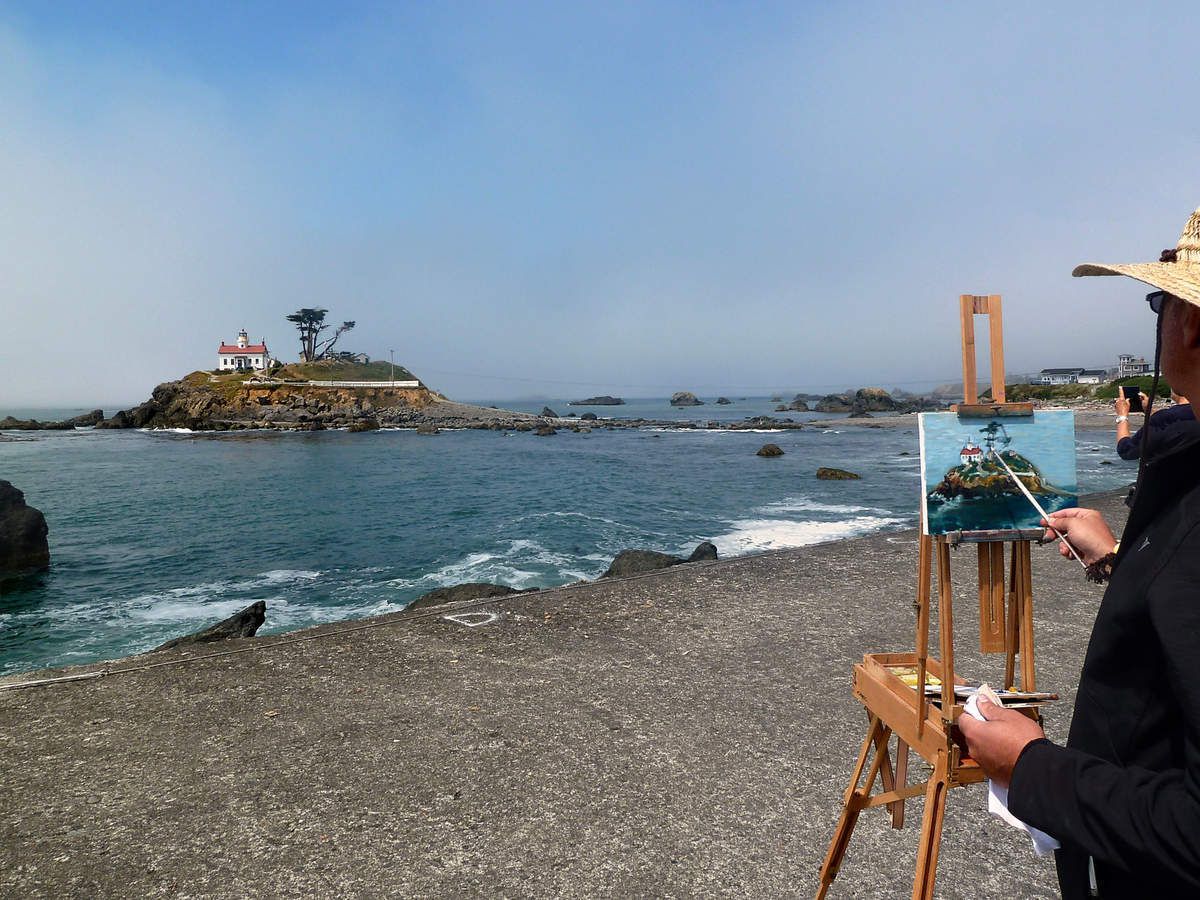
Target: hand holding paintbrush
1086, 530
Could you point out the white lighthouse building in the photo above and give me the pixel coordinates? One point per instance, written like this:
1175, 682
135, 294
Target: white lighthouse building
243, 355
971, 454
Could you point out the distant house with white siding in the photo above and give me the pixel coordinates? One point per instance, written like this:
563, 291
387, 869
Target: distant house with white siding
1092, 376
243, 355
1128, 364
1058, 376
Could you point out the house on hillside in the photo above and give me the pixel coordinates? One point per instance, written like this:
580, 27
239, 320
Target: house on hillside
1092, 376
1128, 364
243, 355
1058, 376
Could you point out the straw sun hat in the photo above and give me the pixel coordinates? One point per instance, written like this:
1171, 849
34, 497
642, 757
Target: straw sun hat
1177, 271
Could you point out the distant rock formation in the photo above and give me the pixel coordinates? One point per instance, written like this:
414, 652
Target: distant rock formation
635, 562
723, 401
474, 590
548, 413
598, 401
242, 624
873, 399
685, 398
24, 548
834, 403
588, 417
828, 473
769, 450
85, 421
799, 403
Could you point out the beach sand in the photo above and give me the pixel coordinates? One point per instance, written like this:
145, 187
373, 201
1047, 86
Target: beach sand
680, 733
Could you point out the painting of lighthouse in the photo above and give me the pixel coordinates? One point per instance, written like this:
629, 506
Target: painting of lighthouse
966, 483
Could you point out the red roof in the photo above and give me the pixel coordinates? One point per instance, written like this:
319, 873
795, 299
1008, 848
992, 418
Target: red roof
970, 451
244, 351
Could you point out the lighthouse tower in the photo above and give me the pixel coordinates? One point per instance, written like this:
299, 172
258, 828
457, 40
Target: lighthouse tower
243, 339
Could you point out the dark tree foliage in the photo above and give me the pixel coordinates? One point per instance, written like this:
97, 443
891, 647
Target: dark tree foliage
310, 322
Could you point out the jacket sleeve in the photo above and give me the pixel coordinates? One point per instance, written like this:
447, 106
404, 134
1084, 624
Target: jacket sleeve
1124, 816
1130, 447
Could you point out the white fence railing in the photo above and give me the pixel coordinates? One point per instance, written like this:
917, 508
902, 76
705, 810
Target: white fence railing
368, 384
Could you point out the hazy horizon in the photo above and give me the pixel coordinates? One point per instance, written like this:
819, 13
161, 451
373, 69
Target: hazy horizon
547, 201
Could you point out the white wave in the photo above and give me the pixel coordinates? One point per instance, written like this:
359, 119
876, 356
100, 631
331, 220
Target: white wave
168, 430
168, 610
757, 535
285, 576
803, 504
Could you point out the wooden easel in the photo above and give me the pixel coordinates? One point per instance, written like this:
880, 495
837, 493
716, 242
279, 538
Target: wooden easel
896, 709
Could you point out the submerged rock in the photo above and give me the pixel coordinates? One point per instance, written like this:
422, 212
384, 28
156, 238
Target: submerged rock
635, 562
23, 545
242, 624
828, 473
769, 450
474, 590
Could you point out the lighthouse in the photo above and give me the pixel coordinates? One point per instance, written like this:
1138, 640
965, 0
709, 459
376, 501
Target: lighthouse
970, 454
243, 355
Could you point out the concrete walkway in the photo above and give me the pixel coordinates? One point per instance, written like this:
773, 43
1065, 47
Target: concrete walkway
685, 733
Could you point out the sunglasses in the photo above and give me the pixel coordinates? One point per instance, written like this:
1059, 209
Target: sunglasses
1156, 300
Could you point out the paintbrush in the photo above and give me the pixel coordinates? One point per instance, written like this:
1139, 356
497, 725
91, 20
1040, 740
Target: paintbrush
1041, 512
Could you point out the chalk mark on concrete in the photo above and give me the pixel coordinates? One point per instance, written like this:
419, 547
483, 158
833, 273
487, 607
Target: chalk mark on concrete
472, 619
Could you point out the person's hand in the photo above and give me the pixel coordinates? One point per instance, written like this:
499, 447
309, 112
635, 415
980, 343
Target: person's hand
996, 743
1121, 404
1086, 529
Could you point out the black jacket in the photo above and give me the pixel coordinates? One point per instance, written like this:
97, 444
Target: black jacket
1126, 788
1131, 447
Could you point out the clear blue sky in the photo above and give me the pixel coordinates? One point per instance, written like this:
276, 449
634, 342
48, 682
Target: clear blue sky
566, 198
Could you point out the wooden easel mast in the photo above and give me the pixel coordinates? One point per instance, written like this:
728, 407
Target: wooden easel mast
1005, 626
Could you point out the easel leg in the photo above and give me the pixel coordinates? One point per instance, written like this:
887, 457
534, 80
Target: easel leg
1013, 619
931, 831
1028, 678
851, 806
901, 780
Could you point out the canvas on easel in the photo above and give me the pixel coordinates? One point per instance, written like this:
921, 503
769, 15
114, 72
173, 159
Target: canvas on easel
965, 485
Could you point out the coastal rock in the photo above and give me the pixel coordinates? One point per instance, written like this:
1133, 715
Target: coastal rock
119, 419
588, 417
781, 408
427, 428
544, 430
240, 625
363, 425
548, 413
475, 590
8, 423
685, 398
834, 403
598, 401
828, 473
799, 403
769, 450
23, 545
873, 399
723, 401
635, 562
87, 420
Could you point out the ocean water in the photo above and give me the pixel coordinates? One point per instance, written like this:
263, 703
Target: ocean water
156, 534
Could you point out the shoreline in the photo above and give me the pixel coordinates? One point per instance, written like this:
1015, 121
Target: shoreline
691, 724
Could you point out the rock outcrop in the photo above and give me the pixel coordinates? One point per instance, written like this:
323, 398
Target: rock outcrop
548, 413
242, 624
834, 403
828, 473
635, 562
604, 400
84, 421
24, 548
769, 450
203, 402
723, 401
475, 590
685, 398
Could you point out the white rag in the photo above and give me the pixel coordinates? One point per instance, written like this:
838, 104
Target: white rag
998, 796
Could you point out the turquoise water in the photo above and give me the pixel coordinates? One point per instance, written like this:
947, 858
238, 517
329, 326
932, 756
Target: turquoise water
155, 534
